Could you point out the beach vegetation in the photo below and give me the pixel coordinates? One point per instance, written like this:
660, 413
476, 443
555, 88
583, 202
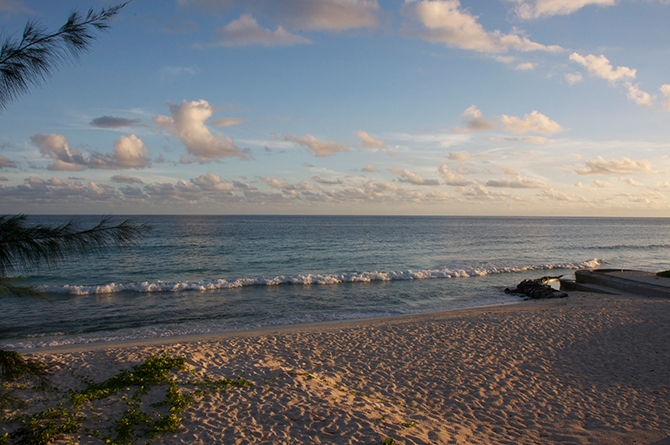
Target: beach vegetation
387, 441
43, 427
140, 421
664, 274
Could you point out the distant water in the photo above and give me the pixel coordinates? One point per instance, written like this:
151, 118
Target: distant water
201, 274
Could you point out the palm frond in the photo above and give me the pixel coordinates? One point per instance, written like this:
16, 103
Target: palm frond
15, 368
7, 287
26, 247
30, 60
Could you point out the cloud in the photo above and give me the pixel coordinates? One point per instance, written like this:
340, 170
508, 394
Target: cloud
3, 179
531, 123
14, 6
447, 23
246, 31
665, 90
638, 96
126, 179
475, 121
538, 140
212, 182
319, 148
113, 122
56, 147
368, 141
599, 166
228, 122
129, 152
532, 9
518, 182
369, 169
413, 178
452, 178
600, 66
527, 66
573, 78
601, 184
6, 163
187, 122
459, 156
320, 180
326, 15
172, 73
287, 187
554, 195
631, 182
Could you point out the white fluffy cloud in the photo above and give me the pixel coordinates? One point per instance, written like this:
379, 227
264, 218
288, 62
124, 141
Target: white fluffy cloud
316, 146
56, 147
413, 178
452, 178
599, 166
600, 66
368, 141
534, 122
474, 121
631, 182
665, 90
246, 31
187, 122
445, 22
574, 78
129, 152
532, 9
369, 169
459, 156
526, 66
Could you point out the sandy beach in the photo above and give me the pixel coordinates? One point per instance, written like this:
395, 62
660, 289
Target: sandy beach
588, 369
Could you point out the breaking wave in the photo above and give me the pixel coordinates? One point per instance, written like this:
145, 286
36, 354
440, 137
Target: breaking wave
310, 279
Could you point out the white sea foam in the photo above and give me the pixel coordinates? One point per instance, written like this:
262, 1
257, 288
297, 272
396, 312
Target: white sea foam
312, 279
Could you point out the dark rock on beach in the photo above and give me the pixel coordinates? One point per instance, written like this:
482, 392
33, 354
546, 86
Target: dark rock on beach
538, 289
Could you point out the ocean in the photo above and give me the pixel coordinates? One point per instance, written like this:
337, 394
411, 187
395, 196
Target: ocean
206, 274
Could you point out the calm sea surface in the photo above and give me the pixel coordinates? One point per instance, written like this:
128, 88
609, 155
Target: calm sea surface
199, 274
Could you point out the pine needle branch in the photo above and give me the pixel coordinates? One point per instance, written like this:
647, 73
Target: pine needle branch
33, 58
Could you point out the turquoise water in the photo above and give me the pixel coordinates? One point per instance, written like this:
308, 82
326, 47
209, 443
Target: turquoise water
199, 274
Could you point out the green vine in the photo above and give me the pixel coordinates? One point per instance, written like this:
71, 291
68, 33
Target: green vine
135, 423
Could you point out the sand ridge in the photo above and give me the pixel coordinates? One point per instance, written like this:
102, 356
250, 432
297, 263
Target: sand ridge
587, 369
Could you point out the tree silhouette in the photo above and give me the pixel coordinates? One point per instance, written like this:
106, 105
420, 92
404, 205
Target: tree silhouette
25, 247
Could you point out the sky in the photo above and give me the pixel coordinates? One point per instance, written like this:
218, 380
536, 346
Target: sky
416, 107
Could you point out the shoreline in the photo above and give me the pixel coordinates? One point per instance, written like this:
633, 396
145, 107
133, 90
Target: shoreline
271, 329
590, 368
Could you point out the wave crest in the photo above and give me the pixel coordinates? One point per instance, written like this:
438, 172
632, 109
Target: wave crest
310, 279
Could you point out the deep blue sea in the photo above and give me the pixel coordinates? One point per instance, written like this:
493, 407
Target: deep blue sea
202, 274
